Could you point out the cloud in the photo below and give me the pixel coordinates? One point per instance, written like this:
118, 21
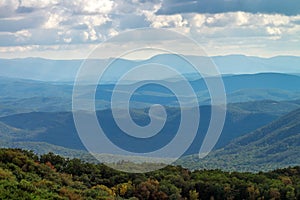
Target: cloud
88, 6
8, 8
132, 21
37, 4
228, 24
167, 21
284, 7
13, 25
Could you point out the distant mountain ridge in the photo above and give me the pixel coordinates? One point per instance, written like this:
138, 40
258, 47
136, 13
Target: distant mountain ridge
66, 70
19, 95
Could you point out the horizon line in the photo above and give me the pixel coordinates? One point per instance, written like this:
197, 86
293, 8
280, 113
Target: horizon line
149, 57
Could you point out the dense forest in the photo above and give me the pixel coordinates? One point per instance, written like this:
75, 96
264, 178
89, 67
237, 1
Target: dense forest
24, 175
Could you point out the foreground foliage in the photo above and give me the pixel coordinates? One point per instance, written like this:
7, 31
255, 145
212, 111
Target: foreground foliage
24, 175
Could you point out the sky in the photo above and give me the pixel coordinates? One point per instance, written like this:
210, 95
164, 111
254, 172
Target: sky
71, 29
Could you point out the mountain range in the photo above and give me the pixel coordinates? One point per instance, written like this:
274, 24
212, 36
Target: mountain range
57, 128
261, 127
66, 70
22, 95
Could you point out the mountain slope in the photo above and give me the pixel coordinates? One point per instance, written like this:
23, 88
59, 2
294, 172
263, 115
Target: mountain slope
9, 133
272, 146
54, 128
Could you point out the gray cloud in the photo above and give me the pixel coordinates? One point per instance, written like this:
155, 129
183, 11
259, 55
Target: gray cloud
37, 38
7, 40
80, 27
7, 8
22, 9
284, 7
13, 25
133, 21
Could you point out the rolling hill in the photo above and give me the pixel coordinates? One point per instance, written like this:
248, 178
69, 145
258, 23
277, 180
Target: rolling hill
57, 128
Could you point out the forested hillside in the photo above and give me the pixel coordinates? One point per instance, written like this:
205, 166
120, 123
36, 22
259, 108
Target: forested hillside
273, 146
24, 175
